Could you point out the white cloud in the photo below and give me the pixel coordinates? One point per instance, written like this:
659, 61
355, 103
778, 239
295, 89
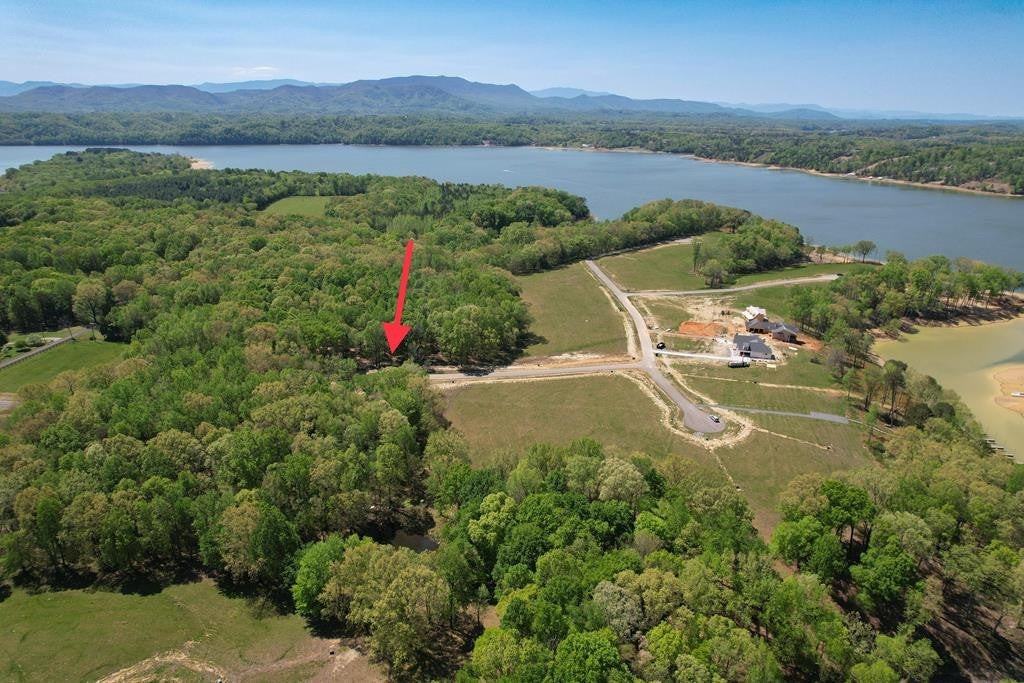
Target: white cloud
255, 70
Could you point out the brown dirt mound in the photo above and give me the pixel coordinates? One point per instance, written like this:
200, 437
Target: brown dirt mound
694, 328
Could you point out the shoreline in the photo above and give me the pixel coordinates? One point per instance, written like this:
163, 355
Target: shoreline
197, 164
774, 167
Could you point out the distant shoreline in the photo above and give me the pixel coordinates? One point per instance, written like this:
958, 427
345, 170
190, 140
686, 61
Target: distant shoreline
776, 167
198, 164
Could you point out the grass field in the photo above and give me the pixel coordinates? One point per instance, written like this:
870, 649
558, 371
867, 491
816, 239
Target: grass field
665, 267
80, 635
669, 267
509, 416
77, 355
750, 395
571, 313
667, 313
797, 370
299, 206
775, 299
764, 464
802, 270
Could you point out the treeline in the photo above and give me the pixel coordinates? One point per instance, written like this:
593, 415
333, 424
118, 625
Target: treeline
755, 246
985, 156
931, 288
120, 253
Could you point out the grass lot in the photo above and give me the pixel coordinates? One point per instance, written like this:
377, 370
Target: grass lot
509, 416
667, 313
750, 395
764, 464
668, 267
775, 300
299, 206
802, 270
665, 267
798, 370
76, 355
80, 635
571, 313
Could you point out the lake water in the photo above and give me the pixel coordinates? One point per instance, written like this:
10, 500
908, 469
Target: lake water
832, 211
965, 359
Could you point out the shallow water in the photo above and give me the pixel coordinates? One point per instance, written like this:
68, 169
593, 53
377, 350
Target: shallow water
965, 359
827, 210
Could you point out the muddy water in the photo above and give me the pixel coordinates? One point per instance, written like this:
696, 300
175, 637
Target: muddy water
965, 359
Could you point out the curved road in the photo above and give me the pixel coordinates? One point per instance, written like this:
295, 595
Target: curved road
693, 417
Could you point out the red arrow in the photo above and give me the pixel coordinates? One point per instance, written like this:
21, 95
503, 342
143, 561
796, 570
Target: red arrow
395, 331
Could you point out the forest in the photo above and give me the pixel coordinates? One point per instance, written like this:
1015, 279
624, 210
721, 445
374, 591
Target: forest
258, 432
982, 156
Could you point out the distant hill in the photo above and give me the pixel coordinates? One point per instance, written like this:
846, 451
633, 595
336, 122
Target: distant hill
566, 92
263, 84
413, 94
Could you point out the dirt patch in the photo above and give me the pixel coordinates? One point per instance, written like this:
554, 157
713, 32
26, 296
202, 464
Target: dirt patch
1011, 380
694, 328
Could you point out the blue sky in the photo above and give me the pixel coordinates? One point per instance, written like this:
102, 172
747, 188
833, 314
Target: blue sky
927, 56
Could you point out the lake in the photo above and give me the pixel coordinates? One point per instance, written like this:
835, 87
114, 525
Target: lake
965, 359
916, 221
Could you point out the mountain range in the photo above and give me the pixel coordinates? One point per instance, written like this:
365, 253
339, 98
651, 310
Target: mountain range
407, 94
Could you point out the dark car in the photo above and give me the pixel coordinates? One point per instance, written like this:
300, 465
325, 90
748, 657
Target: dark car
660, 345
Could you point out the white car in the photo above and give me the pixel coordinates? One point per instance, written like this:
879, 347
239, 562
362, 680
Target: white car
715, 418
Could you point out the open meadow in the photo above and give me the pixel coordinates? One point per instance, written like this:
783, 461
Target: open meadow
183, 632
571, 313
77, 355
503, 417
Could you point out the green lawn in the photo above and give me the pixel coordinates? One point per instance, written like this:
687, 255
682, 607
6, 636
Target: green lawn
509, 416
666, 267
571, 313
749, 395
78, 635
77, 355
797, 370
763, 464
299, 206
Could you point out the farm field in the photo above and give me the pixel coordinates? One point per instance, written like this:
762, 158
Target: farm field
509, 416
299, 206
78, 635
571, 313
76, 355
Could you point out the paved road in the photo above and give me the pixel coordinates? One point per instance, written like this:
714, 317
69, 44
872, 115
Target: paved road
757, 285
813, 415
40, 349
693, 417
691, 354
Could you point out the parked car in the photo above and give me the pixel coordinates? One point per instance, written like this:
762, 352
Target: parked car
660, 345
715, 418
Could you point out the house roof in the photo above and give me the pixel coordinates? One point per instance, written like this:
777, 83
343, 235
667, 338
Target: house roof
752, 312
748, 342
785, 327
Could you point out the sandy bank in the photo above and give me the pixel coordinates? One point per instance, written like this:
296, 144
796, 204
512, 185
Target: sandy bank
199, 164
1010, 380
